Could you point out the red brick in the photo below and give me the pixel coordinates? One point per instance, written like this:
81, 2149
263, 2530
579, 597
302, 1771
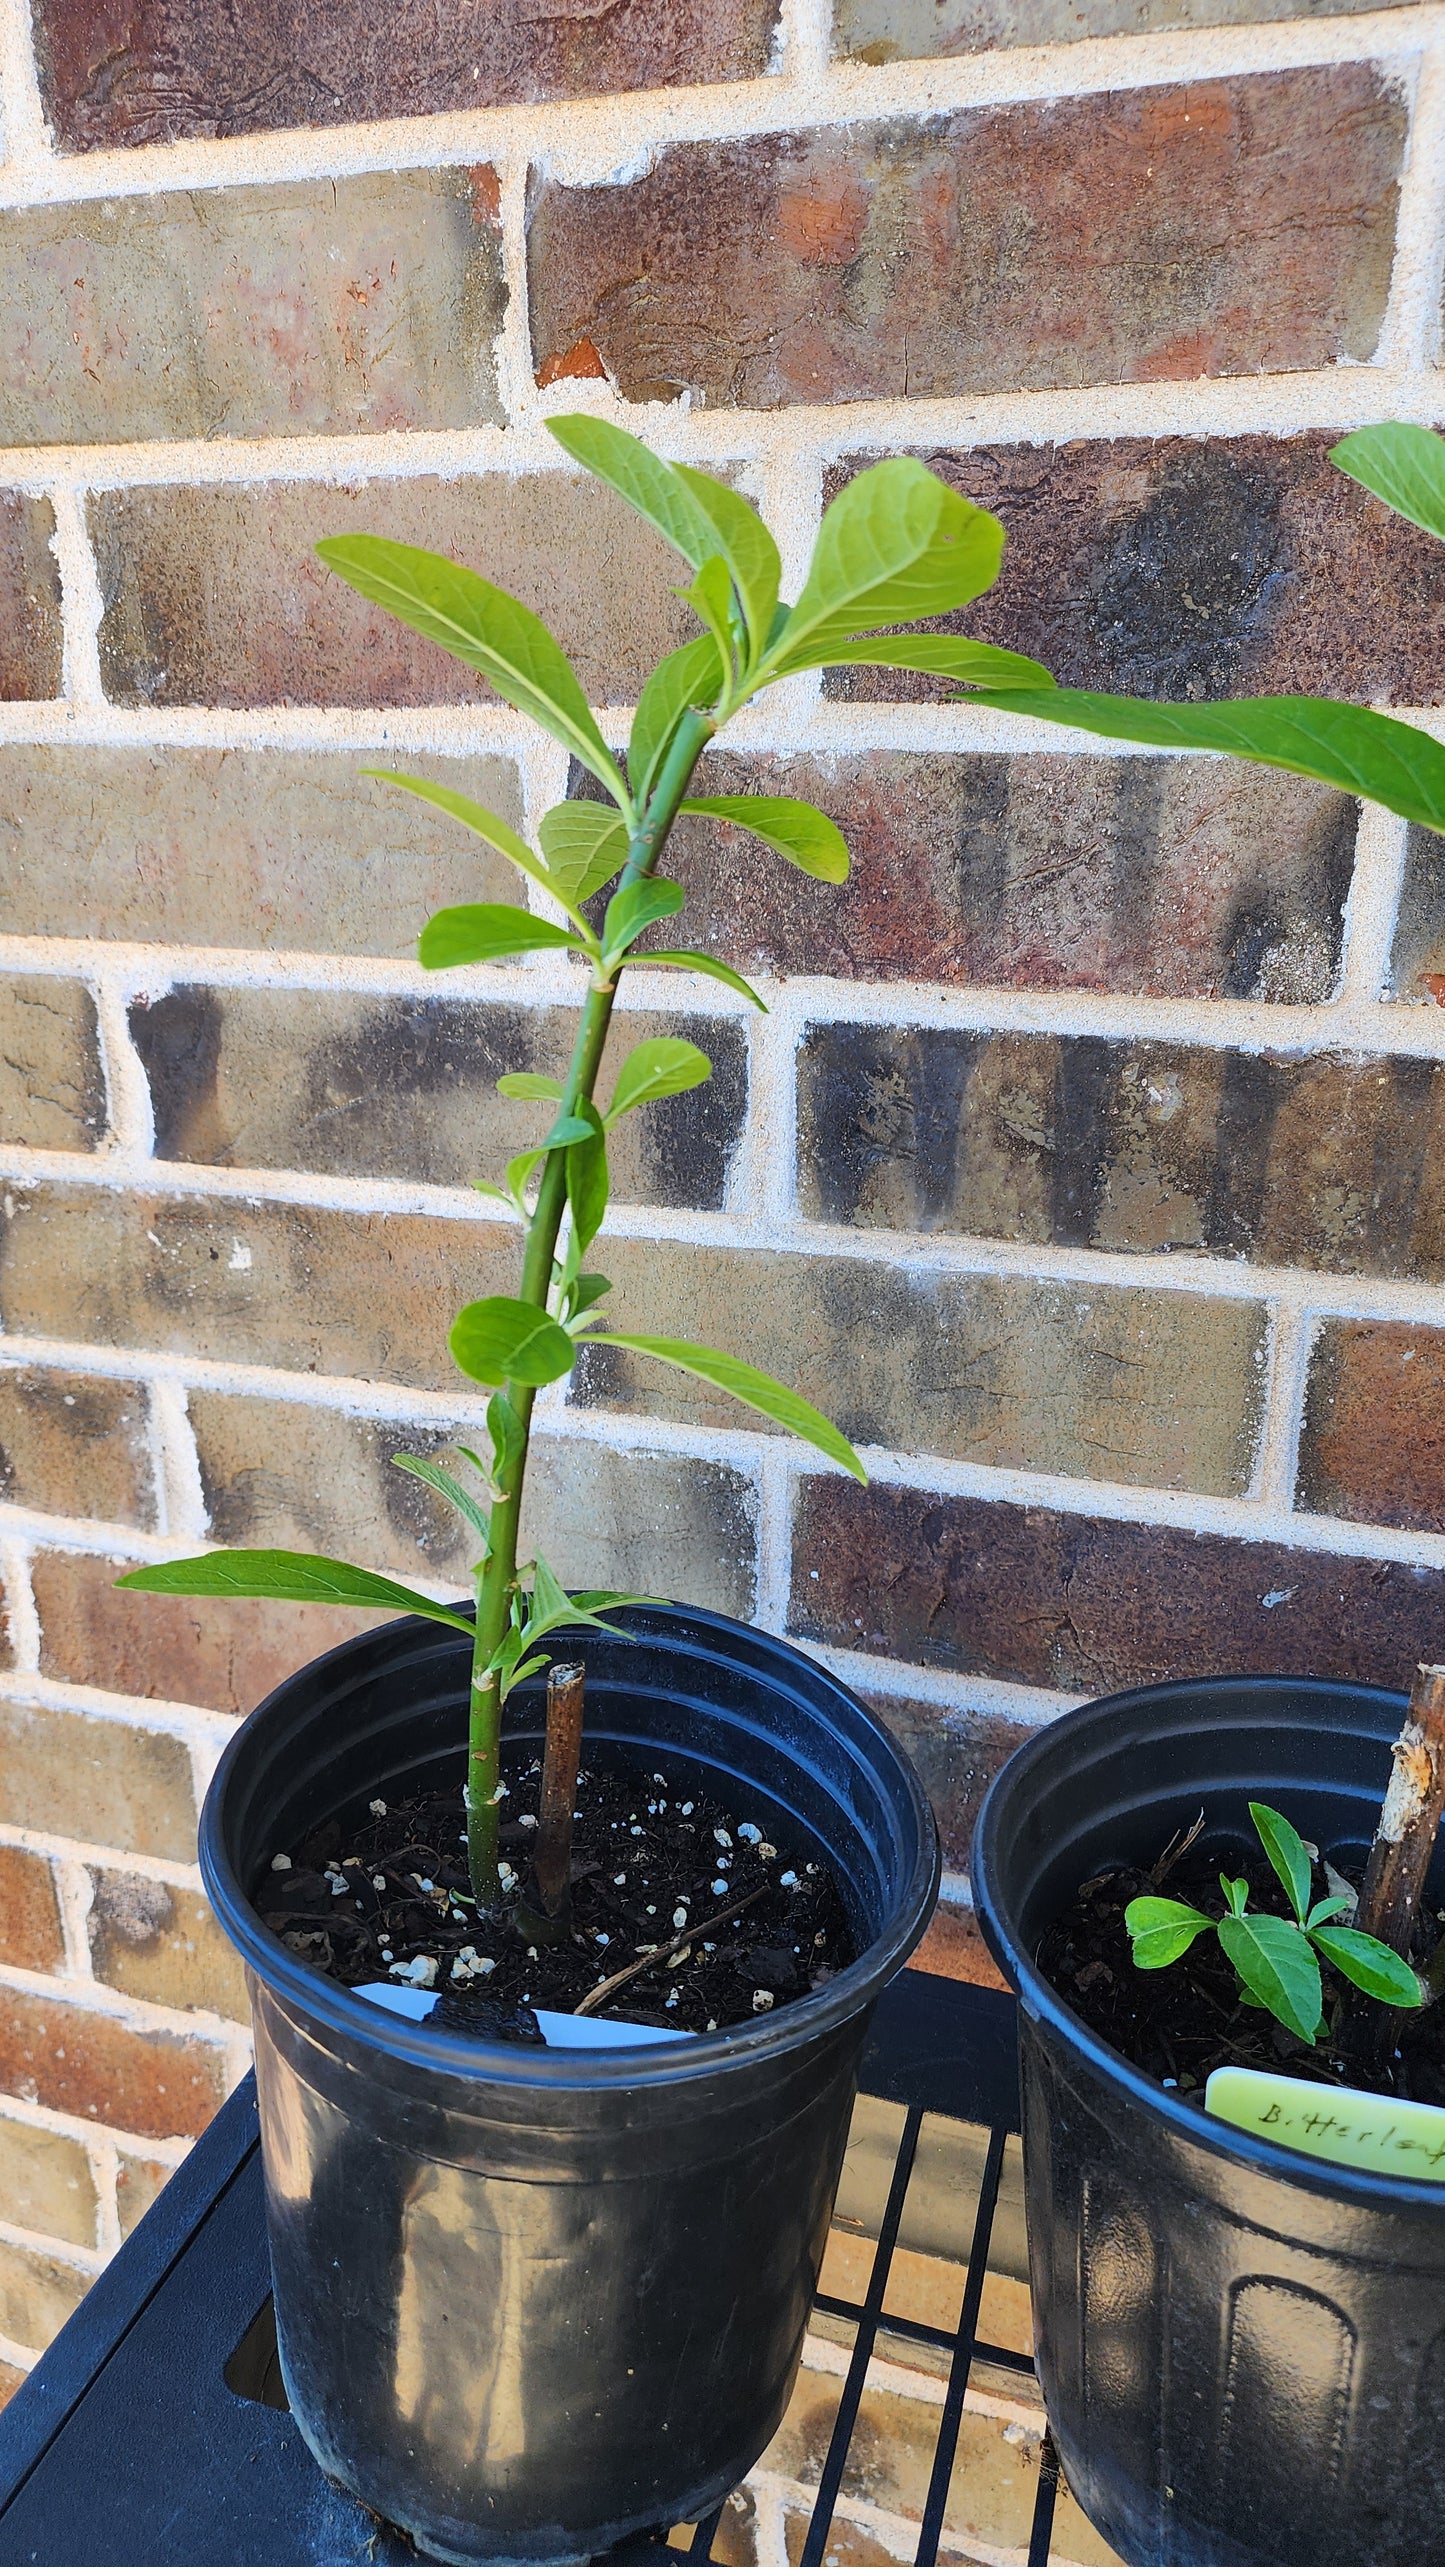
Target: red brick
1176, 878
30, 639
214, 596
1373, 1445
1195, 567
1092, 1606
1417, 962
1230, 227
10, 2381
148, 71
30, 1930
953, 1948
195, 1649
152, 2084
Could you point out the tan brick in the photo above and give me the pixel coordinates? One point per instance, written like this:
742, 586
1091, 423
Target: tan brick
198, 846
52, 1086
46, 2183
313, 1479
881, 31
1090, 1605
200, 67
1178, 878
1115, 238
990, 2501
104, 1781
154, 2084
334, 304
30, 632
30, 1929
75, 1444
151, 1940
139, 2183
214, 596
1158, 1389
406, 1087
1194, 567
311, 1290
1328, 1161
205, 1650
10, 2381
1373, 1445
37, 2294
1417, 963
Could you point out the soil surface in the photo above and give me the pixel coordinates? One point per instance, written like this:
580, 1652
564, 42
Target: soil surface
1180, 2023
389, 1898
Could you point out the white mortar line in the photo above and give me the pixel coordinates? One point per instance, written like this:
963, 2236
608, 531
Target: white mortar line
769, 2527
138, 2014
1372, 907
20, 2357
59, 2250
128, 1097
22, 117
805, 43
21, 1619
774, 1537
184, 1721
76, 1893
69, 2125
180, 1499
1291, 1342
1256, 404
991, 1697
762, 1177
81, 603
512, 352
108, 1858
1411, 335
105, 2170
586, 140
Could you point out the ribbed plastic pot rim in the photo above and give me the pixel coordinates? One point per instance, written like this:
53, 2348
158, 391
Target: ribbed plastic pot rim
1043, 2004
696, 2056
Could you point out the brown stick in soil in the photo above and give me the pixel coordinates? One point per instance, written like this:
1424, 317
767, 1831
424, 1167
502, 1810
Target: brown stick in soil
606, 1988
1409, 1819
552, 1861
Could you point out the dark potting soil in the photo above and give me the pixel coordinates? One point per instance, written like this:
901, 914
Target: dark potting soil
650, 1860
1181, 2023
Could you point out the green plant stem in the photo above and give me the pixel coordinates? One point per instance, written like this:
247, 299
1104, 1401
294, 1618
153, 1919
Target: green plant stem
497, 1575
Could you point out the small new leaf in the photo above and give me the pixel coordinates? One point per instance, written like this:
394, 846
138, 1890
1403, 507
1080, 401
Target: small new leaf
687, 680
1285, 1848
508, 1440
585, 844
1162, 1930
530, 1087
290, 1577
498, 1340
895, 544
1275, 1963
709, 965
1370, 1964
663, 1066
588, 1181
635, 908
807, 837
446, 1486
491, 931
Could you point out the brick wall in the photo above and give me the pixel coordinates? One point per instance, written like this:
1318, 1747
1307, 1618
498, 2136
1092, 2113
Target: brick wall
1089, 1163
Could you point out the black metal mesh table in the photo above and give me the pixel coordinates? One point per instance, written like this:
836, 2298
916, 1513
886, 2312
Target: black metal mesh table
155, 2429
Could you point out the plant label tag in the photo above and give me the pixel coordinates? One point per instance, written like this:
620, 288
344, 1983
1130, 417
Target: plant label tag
1373, 2132
559, 2031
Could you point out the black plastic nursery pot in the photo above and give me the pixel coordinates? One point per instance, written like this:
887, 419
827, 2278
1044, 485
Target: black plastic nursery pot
1242, 2350
531, 2300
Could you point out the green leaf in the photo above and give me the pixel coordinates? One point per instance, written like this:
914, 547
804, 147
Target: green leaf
488, 931
291, 1577
747, 548
450, 1488
755, 1389
530, 1087
1277, 1967
686, 680
654, 488
498, 1340
1341, 744
520, 1168
508, 1439
588, 1181
491, 631
1162, 1930
566, 1129
1285, 1848
711, 597
587, 1291
635, 908
1236, 1894
714, 970
1370, 1964
1403, 465
663, 1066
807, 837
941, 655
1324, 1909
896, 543
584, 844
472, 815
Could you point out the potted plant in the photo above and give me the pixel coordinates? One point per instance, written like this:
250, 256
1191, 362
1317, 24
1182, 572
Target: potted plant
531, 2298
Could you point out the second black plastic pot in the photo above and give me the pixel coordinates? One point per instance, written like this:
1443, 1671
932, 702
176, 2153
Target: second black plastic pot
531, 2300
1242, 2350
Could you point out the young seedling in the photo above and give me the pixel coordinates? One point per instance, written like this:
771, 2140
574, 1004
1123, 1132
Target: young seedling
1276, 1958
895, 545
